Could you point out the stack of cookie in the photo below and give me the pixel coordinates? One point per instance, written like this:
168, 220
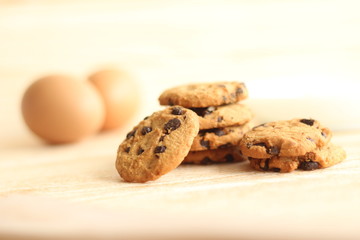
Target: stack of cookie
206, 124
284, 146
222, 119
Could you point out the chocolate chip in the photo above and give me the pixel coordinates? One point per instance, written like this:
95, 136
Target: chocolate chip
323, 134
205, 144
202, 133
229, 158
170, 102
249, 145
276, 169
172, 125
219, 132
127, 150
309, 165
146, 117
130, 134
273, 150
266, 166
177, 111
162, 138
261, 144
239, 91
202, 112
146, 130
206, 161
220, 118
226, 145
199, 111
216, 131
160, 149
140, 151
309, 122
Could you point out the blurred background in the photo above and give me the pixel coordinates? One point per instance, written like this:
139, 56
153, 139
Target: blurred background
298, 58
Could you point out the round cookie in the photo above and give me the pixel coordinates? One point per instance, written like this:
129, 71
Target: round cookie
204, 94
320, 158
294, 137
224, 155
219, 137
223, 116
157, 145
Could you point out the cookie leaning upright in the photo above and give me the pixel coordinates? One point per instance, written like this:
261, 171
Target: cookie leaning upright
204, 94
157, 145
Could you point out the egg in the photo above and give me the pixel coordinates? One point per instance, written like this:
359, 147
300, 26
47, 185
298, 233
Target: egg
120, 95
62, 109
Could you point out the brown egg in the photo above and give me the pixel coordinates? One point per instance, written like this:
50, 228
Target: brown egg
61, 109
120, 95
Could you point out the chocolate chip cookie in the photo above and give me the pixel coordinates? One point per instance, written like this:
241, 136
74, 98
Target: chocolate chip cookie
157, 144
223, 155
295, 137
223, 116
219, 137
319, 158
204, 94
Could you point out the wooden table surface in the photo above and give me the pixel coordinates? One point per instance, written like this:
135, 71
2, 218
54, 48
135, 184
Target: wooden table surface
74, 192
